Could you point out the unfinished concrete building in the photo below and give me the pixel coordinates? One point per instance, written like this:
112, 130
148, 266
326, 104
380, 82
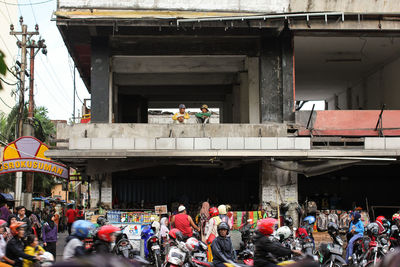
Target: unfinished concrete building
255, 61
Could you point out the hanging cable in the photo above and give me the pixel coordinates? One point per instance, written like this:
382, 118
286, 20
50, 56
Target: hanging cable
37, 3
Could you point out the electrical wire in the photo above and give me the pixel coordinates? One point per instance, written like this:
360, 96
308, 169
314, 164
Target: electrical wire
8, 12
4, 81
37, 3
54, 81
1, 99
33, 12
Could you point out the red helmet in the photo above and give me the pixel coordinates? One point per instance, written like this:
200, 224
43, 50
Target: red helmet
14, 228
106, 231
2, 222
381, 219
175, 234
213, 212
266, 226
301, 232
396, 216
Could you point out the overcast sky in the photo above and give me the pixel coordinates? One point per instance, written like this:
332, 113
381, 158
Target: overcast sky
54, 72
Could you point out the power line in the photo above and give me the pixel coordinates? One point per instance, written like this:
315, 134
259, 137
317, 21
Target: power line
37, 3
53, 79
33, 12
9, 83
8, 12
1, 99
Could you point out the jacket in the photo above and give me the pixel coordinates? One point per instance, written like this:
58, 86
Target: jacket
102, 247
266, 250
73, 248
15, 251
222, 250
359, 227
33, 252
49, 234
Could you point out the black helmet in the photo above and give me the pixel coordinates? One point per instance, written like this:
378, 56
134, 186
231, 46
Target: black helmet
332, 228
101, 220
373, 229
288, 221
223, 226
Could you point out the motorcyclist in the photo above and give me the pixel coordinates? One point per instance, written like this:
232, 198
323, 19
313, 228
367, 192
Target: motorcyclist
101, 221
75, 246
266, 249
222, 248
105, 236
15, 247
356, 229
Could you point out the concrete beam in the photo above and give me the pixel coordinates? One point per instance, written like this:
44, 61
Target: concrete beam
177, 64
174, 79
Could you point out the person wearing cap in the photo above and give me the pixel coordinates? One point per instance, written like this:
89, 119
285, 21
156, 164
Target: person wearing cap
182, 116
184, 222
204, 115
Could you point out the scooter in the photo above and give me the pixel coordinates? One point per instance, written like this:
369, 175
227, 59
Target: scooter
331, 254
152, 250
123, 246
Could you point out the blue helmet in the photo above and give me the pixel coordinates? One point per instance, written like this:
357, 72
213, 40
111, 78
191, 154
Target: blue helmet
309, 219
82, 228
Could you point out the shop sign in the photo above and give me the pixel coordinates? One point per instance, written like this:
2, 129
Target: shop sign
26, 154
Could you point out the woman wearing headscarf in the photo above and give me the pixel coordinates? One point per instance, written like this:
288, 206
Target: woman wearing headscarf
164, 229
357, 230
49, 234
204, 217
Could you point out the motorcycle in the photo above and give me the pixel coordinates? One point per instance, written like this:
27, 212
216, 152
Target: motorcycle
177, 255
331, 254
378, 248
123, 246
152, 250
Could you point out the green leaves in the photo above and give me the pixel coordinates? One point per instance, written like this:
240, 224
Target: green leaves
3, 67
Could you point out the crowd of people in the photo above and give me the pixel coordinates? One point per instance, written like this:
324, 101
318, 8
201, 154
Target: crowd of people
21, 230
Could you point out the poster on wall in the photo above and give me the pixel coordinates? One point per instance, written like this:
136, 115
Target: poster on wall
162, 209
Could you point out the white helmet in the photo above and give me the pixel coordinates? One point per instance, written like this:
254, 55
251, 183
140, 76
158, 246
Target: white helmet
283, 232
222, 209
156, 226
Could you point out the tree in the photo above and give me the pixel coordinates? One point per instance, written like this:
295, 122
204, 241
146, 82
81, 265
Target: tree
44, 129
3, 67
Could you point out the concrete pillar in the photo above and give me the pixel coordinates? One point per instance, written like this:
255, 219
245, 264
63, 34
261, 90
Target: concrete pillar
244, 97
278, 186
100, 80
227, 113
236, 103
254, 89
277, 79
101, 190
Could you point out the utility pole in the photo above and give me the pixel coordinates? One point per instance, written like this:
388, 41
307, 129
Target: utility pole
24, 44
73, 113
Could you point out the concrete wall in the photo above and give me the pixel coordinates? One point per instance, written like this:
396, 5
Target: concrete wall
130, 130
165, 119
259, 6
10, 50
380, 87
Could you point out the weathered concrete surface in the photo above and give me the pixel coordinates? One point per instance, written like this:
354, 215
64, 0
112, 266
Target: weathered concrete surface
256, 6
269, 6
363, 6
131, 130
